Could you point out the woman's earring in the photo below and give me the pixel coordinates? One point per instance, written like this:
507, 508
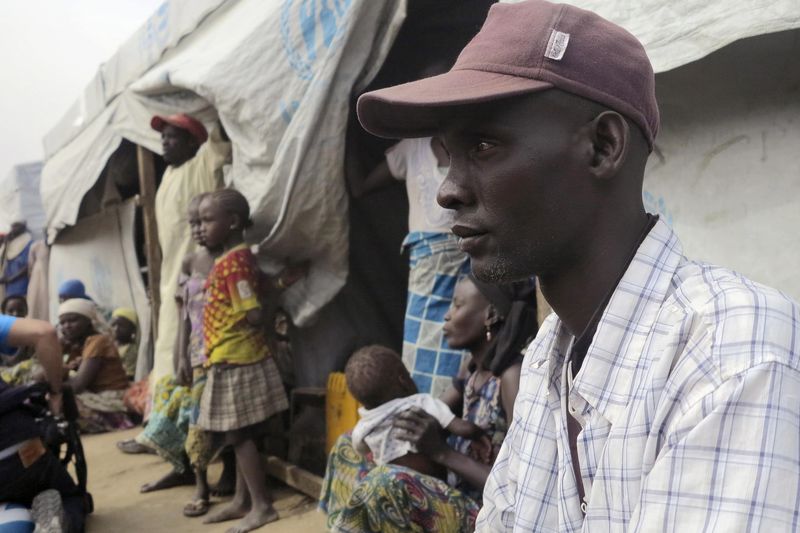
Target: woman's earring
488, 333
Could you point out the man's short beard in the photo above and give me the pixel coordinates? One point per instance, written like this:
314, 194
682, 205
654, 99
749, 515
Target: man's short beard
509, 267
500, 270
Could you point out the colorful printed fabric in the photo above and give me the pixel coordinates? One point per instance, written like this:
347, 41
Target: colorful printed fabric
172, 430
232, 291
99, 412
361, 497
22, 373
168, 424
201, 446
484, 408
435, 263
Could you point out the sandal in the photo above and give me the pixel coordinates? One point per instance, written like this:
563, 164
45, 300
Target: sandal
133, 447
195, 508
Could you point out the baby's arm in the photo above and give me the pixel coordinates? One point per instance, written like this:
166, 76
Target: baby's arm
464, 428
481, 444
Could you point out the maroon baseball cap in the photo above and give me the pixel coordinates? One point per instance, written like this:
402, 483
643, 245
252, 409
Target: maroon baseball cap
183, 121
524, 48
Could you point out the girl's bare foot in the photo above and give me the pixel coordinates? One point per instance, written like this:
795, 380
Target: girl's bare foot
173, 479
255, 519
231, 511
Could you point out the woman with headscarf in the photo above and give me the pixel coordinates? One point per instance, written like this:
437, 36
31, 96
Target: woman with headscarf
97, 376
495, 323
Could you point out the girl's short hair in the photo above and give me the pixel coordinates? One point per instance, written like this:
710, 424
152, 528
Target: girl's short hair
233, 202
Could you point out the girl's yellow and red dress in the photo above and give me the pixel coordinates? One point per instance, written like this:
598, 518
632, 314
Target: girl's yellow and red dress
244, 387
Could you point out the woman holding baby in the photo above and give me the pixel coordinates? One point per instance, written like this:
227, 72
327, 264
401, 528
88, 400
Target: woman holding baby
436, 484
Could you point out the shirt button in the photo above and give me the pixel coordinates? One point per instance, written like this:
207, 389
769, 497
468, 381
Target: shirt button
572, 410
583, 507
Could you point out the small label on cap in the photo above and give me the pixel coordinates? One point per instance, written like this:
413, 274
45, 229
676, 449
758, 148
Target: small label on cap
557, 45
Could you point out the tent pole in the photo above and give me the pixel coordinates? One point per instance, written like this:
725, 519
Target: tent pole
147, 200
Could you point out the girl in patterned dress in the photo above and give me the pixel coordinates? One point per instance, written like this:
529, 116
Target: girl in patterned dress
243, 387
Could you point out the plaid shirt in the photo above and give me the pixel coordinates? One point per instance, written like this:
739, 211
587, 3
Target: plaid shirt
689, 400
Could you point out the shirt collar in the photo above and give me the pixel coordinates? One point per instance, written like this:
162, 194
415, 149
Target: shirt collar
607, 374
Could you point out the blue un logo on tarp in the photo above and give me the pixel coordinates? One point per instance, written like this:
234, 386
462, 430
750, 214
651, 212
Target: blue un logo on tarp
309, 29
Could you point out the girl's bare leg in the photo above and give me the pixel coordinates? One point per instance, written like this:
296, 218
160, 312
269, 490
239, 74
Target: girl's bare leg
251, 468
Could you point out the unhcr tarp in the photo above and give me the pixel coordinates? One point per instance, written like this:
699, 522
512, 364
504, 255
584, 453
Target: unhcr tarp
279, 74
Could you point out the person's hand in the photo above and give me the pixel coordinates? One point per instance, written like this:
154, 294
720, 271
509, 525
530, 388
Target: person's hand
481, 448
292, 274
56, 401
423, 431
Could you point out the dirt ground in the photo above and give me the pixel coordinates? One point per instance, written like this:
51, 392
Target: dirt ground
115, 478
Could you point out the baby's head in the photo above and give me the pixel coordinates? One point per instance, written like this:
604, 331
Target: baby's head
376, 374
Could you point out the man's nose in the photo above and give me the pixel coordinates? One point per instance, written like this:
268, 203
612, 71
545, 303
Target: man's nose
452, 192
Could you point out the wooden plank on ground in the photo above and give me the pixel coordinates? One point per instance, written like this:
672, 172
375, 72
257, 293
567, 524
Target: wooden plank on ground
294, 476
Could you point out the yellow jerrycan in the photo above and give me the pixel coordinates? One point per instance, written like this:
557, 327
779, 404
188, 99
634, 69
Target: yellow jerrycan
341, 409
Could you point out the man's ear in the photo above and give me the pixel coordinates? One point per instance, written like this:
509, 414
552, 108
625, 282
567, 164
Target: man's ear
610, 137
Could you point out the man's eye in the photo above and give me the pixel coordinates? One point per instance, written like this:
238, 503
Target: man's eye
482, 146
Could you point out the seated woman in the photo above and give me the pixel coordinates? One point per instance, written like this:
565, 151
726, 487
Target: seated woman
494, 324
99, 380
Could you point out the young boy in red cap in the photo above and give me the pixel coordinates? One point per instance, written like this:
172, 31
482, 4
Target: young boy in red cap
662, 394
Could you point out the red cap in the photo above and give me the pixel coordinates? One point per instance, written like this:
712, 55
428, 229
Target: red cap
523, 48
185, 122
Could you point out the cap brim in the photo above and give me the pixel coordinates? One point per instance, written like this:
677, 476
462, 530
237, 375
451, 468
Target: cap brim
413, 109
158, 123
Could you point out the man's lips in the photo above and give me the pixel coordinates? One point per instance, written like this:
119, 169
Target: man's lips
466, 232
469, 238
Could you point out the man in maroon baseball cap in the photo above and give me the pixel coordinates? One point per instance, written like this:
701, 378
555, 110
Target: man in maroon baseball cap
662, 393
181, 136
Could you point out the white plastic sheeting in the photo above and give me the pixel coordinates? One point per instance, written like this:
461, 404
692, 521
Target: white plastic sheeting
163, 30
726, 171
678, 32
279, 74
100, 252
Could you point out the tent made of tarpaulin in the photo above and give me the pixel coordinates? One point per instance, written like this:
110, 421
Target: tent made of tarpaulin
20, 198
279, 75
